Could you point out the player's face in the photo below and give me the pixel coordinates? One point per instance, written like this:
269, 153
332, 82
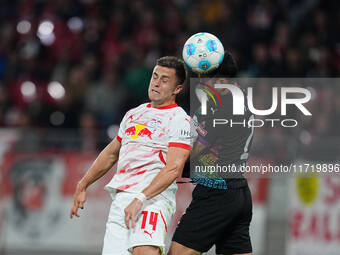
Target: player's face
163, 86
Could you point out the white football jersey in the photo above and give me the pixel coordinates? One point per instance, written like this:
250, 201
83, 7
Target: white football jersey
146, 133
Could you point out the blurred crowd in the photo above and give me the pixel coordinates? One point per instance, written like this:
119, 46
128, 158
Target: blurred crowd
81, 64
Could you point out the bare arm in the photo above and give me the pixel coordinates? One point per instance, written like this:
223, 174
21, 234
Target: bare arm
198, 148
103, 163
176, 158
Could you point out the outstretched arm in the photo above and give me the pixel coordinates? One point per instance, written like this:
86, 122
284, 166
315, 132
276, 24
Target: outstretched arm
103, 163
176, 158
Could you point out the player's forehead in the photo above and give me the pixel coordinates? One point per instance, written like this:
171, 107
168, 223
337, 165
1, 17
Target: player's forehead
164, 71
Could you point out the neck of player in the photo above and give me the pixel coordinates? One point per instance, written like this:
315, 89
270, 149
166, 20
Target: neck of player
161, 104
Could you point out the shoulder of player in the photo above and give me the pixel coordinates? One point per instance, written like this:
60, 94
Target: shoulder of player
180, 112
181, 116
136, 108
132, 111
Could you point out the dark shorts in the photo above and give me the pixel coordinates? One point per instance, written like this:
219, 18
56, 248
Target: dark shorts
220, 217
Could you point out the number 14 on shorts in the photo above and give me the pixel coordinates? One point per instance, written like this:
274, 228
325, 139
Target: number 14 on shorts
153, 216
150, 220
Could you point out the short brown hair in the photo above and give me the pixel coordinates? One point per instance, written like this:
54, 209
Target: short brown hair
175, 63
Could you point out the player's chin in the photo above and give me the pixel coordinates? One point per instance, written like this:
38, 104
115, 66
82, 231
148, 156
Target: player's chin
154, 96
151, 97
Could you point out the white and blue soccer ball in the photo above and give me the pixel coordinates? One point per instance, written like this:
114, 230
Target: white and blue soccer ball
203, 52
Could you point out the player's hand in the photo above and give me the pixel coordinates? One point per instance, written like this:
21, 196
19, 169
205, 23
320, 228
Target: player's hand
78, 202
131, 212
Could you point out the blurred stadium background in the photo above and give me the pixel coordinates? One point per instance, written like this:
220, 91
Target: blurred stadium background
70, 69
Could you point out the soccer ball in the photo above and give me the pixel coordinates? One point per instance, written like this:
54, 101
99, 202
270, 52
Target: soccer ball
203, 52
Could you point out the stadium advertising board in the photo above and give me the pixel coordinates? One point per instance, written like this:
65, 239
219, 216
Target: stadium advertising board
315, 216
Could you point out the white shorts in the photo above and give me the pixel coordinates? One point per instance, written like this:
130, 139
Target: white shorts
151, 226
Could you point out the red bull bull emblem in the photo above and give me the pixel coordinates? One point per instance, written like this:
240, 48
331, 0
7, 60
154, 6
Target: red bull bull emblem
137, 131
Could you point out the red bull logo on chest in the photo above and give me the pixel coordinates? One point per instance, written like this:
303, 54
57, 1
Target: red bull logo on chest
137, 131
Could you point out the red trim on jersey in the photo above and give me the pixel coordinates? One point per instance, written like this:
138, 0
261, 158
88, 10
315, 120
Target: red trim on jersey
119, 138
166, 229
163, 107
180, 145
160, 154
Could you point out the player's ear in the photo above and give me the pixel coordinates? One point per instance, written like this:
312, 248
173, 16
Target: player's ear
178, 89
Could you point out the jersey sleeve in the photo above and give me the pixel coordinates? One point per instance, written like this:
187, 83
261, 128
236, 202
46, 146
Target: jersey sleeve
182, 132
122, 125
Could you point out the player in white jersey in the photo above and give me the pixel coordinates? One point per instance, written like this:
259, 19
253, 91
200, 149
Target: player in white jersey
153, 142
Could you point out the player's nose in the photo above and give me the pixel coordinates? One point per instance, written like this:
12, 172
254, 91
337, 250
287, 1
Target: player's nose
156, 83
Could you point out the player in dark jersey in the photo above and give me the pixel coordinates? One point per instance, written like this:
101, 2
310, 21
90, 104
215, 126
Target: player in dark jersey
221, 209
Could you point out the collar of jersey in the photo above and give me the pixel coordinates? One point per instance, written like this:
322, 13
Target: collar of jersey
163, 107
